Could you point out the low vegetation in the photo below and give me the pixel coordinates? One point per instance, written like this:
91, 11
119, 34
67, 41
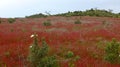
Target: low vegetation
112, 52
47, 23
77, 22
11, 20
69, 54
38, 56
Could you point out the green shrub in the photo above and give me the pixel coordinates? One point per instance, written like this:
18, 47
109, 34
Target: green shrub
47, 23
48, 61
38, 56
72, 60
112, 58
112, 51
11, 20
77, 22
70, 54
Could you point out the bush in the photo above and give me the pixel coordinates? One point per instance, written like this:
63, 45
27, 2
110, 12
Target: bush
77, 22
69, 54
11, 20
47, 23
38, 56
49, 61
112, 51
72, 59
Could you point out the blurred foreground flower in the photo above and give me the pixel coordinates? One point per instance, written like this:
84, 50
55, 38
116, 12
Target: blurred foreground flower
30, 46
33, 35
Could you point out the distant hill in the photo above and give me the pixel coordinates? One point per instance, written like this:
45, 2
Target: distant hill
36, 15
90, 12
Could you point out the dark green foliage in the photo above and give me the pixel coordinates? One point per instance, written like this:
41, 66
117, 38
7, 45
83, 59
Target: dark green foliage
38, 56
50, 61
112, 58
11, 20
112, 51
91, 12
47, 23
37, 16
70, 54
34, 53
77, 22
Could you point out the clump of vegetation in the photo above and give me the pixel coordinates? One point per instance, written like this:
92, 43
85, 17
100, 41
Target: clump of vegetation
47, 23
69, 54
11, 20
72, 61
50, 61
38, 56
77, 22
112, 52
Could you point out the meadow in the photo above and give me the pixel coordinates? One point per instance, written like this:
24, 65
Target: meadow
87, 39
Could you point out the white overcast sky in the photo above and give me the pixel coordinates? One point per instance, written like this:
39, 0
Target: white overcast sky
21, 8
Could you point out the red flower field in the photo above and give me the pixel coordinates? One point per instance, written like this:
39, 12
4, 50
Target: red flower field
87, 40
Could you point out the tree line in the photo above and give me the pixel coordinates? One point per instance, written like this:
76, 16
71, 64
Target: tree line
91, 12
